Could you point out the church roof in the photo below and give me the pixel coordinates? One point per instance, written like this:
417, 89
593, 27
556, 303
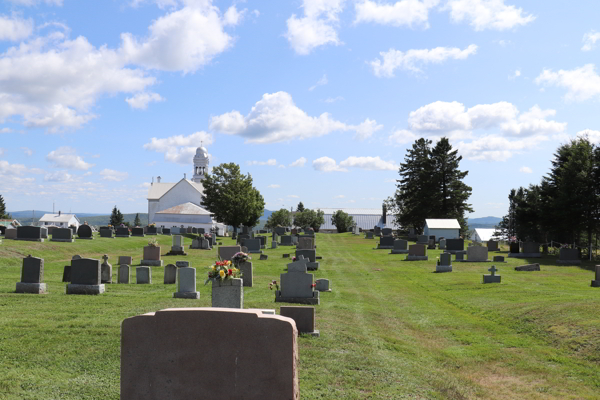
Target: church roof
158, 190
187, 209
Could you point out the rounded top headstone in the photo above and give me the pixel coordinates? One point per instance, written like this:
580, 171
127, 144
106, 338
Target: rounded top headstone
84, 231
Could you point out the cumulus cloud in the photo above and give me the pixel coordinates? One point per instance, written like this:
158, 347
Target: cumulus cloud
275, 118
488, 14
299, 162
271, 162
515, 75
401, 13
339, 196
402, 136
233, 16
320, 82
369, 163
179, 149
592, 135
112, 175
27, 151
30, 3
140, 100
58, 176
66, 157
317, 27
497, 148
410, 60
15, 28
589, 40
333, 99
327, 164
274, 186
581, 83
526, 170
293, 196
367, 128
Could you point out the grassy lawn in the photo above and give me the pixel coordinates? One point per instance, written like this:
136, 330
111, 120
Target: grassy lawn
390, 329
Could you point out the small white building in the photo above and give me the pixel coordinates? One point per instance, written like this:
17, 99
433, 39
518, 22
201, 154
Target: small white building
482, 234
187, 214
446, 228
365, 218
61, 220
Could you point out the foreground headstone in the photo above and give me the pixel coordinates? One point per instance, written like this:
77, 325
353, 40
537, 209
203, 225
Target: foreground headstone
143, 275
306, 243
311, 255
286, 241
568, 257
596, 282
253, 246
417, 252
444, 264
137, 232
10, 233
123, 233
493, 278
297, 285
369, 235
125, 260
124, 274
107, 233
155, 368
62, 235
528, 267
186, 284
304, 316
152, 257
32, 276
228, 293
477, 254
85, 277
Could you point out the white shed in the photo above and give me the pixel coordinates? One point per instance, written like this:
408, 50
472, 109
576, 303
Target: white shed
446, 228
61, 220
482, 234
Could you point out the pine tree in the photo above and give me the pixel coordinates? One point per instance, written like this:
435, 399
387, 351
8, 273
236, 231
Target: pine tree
300, 207
3, 214
116, 218
136, 221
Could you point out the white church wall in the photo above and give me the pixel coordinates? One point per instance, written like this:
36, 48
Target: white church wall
181, 193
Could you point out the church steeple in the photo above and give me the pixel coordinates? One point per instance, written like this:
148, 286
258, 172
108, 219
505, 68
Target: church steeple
200, 164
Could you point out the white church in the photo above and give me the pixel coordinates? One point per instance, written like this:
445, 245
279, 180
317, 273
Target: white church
177, 204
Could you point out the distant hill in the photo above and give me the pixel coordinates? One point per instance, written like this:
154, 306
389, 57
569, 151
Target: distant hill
484, 222
24, 217
266, 215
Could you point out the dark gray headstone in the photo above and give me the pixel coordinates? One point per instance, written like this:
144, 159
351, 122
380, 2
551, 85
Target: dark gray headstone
455, 244
84, 231
137, 231
85, 271
29, 232
33, 270
62, 234
311, 255
514, 247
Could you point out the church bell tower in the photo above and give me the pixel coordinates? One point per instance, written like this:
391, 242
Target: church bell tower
200, 164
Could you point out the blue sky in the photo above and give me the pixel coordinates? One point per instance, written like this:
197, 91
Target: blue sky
316, 99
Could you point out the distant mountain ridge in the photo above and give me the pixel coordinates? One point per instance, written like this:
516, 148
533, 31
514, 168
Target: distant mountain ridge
484, 222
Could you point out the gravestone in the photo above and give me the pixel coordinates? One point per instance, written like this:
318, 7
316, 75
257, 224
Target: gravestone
498, 259
423, 239
85, 232
442, 244
530, 250
492, 245
32, 276
280, 231
124, 274
568, 257
369, 235
62, 235
444, 264
377, 231
514, 248
311, 256
29, 233
431, 244
306, 243
303, 316
493, 278
66, 273
244, 249
294, 239
460, 255
201, 231
182, 264
263, 257
386, 242
105, 271
201, 244
297, 285
44, 231
228, 293
596, 282
454, 245
186, 284
151, 257
10, 233
166, 231
151, 230
125, 260
477, 254
253, 246
176, 230
155, 368
177, 248
286, 241
194, 230
274, 244
106, 233
417, 252
400, 247
189, 229
122, 232
528, 267
227, 252
85, 277
322, 285
386, 231
170, 275
285, 255
263, 241
143, 275
247, 273
137, 232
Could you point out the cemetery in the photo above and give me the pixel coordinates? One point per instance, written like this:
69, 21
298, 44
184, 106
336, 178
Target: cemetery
371, 327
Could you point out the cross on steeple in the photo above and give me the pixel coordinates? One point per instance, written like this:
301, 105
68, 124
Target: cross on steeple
493, 270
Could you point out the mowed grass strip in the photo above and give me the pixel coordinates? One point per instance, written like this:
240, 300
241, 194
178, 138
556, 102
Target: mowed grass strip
390, 329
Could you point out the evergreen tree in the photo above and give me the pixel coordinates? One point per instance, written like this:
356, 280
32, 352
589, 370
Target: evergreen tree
136, 221
342, 221
281, 217
300, 207
230, 196
116, 218
3, 214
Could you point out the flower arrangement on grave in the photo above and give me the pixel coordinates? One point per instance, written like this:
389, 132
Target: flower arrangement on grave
239, 258
152, 225
153, 243
222, 271
273, 283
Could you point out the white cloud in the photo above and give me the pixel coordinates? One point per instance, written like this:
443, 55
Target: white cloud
327, 164
182, 40
339, 196
526, 170
66, 157
317, 27
271, 162
15, 28
179, 149
497, 148
274, 186
275, 118
5, 130
299, 162
27, 151
400, 13
58, 176
233, 17
367, 128
293, 196
333, 99
409, 61
369, 163
141, 100
320, 82
589, 40
402, 136
581, 83
593, 136
487, 14
515, 75
112, 175
30, 3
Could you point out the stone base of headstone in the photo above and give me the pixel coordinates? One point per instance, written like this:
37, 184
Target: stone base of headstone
152, 263
492, 278
255, 251
63, 240
30, 240
124, 274
73, 288
528, 267
312, 266
454, 251
416, 258
143, 275
67, 274
84, 238
443, 268
247, 275
568, 262
228, 294
36, 288
322, 285
141, 235
525, 255
380, 247
399, 251
148, 233
299, 300
474, 261
286, 244
595, 283
431, 247
177, 253
123, 236
186, 295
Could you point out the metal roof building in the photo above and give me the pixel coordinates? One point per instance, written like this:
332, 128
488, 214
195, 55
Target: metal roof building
446, 228
365, 218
